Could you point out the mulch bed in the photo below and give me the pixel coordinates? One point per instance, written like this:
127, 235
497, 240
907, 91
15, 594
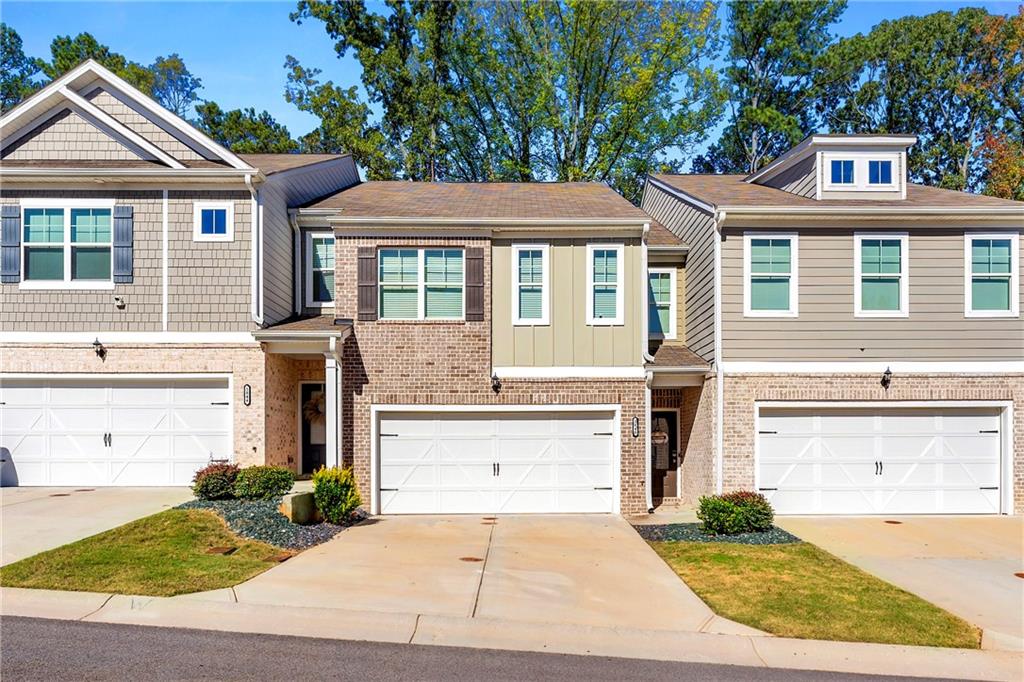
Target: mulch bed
260, 520
691, 532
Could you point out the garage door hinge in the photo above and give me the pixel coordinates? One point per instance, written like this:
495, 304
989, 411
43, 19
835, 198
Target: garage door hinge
767, 432
223, 403
389, 490
389, 435
989, 487
602, 433
604, 488
767, 488
989, 431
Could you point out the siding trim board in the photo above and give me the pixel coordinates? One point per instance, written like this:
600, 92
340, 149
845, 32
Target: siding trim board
968, 367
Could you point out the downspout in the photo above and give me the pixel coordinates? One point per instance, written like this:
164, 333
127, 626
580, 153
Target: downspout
648, 376
256, 280
648, 380
293, 220
720, 217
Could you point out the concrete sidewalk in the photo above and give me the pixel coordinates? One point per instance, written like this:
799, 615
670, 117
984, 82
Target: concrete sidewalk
207, 613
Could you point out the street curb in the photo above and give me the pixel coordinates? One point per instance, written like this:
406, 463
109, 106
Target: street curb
425, 629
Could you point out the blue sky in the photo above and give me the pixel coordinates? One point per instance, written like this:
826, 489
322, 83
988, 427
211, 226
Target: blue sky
238, 48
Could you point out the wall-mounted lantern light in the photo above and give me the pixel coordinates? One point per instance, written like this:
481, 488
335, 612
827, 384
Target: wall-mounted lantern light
101, 352
886, 378
495, 383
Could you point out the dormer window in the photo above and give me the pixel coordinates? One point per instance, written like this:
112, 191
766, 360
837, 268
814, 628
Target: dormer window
879, 172
842, 171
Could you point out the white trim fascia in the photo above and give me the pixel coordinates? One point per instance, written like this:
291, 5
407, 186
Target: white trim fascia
720, 217
1014, 310
681, 195
256, 232
794, 275
162, 173
165, 263
895, 211
671, 272
567, 372
545, 292
377, 409
620, 283
308, 268
67, 285
197, 224
47, 338
76, 376
119, 128
67, 203
341, 221
874, 367
904, 310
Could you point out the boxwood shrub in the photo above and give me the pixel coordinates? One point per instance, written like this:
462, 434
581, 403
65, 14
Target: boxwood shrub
335, 493
263, 482
737, 512
215, 481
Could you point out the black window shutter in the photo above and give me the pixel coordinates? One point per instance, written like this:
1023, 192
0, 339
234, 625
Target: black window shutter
367, 282
123, 244
474, 284
10, 243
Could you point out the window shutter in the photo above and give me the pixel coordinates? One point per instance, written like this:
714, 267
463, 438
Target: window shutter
367, 283
474, 285
10, 243
123, 244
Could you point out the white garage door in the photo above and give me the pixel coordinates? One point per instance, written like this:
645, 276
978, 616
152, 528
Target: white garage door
893, 461
455, 463
112, 432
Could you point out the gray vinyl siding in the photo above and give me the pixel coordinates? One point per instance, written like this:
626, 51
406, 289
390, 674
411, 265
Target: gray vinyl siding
142, 125
826, 329
696, 228
800, 179
68, 136
281, 191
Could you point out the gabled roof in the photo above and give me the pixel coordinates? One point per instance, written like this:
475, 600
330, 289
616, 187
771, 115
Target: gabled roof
66, 93
279, 163
810, 144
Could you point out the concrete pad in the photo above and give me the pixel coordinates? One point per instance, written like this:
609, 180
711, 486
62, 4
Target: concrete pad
665, 515
16, 601
256, 618
399, 564
225, 594
964, 564
583, 570
33, 520
723, 626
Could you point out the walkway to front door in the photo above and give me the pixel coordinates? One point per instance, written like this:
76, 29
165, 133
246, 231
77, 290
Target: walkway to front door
314, 426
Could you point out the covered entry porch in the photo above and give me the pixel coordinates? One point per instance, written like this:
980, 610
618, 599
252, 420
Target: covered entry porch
304, 392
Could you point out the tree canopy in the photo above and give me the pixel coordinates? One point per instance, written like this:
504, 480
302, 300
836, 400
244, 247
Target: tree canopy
244, 131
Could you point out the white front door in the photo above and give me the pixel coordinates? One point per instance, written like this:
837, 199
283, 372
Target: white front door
108, 431
536, 462
880, 461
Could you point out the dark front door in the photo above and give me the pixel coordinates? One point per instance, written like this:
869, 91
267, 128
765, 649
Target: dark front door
664, 453
314, 427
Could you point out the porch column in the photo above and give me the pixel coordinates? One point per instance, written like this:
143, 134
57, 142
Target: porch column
332, 408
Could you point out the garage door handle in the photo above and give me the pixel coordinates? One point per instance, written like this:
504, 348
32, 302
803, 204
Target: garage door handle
989, 431
223, 403
767, 488
603, 488
389, 490
389, 435
602, 433
768, 433
989, 487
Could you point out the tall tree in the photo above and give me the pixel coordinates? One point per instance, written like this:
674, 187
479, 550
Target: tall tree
1004, 167
243, 131
18, 72
925, 75
67, 53
174, 86
774, 51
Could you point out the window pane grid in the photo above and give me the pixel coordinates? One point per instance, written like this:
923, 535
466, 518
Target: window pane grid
659, 312
67, 244
880, 172
440, 287
214, 221
842, 172
990, 274
881, 275
322, 266
529, 284
604, 296
771, 267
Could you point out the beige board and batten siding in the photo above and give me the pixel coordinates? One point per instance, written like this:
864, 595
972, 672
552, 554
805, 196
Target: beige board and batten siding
695, 228
67, 136
208, 282
826, 329
281, 191
567, 341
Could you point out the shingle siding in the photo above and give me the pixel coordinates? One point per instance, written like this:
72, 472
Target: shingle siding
68, 136
141, 125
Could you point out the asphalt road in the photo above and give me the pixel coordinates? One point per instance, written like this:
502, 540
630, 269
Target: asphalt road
36, 649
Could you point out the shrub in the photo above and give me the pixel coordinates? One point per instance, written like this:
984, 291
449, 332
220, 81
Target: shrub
263, 482
215, 481
733, 513
335, 493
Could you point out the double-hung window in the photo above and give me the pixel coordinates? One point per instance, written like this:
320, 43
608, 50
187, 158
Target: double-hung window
530, 284
881, 286
770, 277
421, 284
661, 303
319, 270
213, 221
991, 287
67, 246
605, 284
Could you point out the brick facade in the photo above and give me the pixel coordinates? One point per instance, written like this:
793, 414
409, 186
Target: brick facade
696, 405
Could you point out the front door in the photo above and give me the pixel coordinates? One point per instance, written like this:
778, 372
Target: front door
314, 427
664, 453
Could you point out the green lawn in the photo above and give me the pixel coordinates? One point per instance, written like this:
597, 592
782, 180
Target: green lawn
799, 590
160, 555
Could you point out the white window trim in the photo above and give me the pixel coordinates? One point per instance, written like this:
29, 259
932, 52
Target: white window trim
904, 310
1014, 310
832, 184
671, 333
67, 283
197, 221
794, 275
545, 306
421, 284
883, 186
861, 171
620, 250
310, 303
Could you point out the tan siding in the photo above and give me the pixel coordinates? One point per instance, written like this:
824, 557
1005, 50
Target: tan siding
568, 340
799, 179
141, 125
68, 136
695, 228
281, 191
827, 329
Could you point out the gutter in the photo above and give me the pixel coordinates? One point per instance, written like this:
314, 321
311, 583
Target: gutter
293, 220
256, 279
363, 221
100, 173
887, 211
646, 357
720, 218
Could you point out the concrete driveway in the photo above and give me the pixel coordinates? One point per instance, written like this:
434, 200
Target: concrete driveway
965, 564
33, 520
586, 570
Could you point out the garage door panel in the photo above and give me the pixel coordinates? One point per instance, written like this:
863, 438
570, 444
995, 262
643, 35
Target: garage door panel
200, 418
583, 501
87, 419
69, 472
139, 419
201, 446
141, 446
86, 393
597, 474
20, 419
463, 501
462, 473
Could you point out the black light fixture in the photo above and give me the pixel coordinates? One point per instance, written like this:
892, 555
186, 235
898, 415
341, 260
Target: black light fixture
101, 352
886, 378
495, 382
